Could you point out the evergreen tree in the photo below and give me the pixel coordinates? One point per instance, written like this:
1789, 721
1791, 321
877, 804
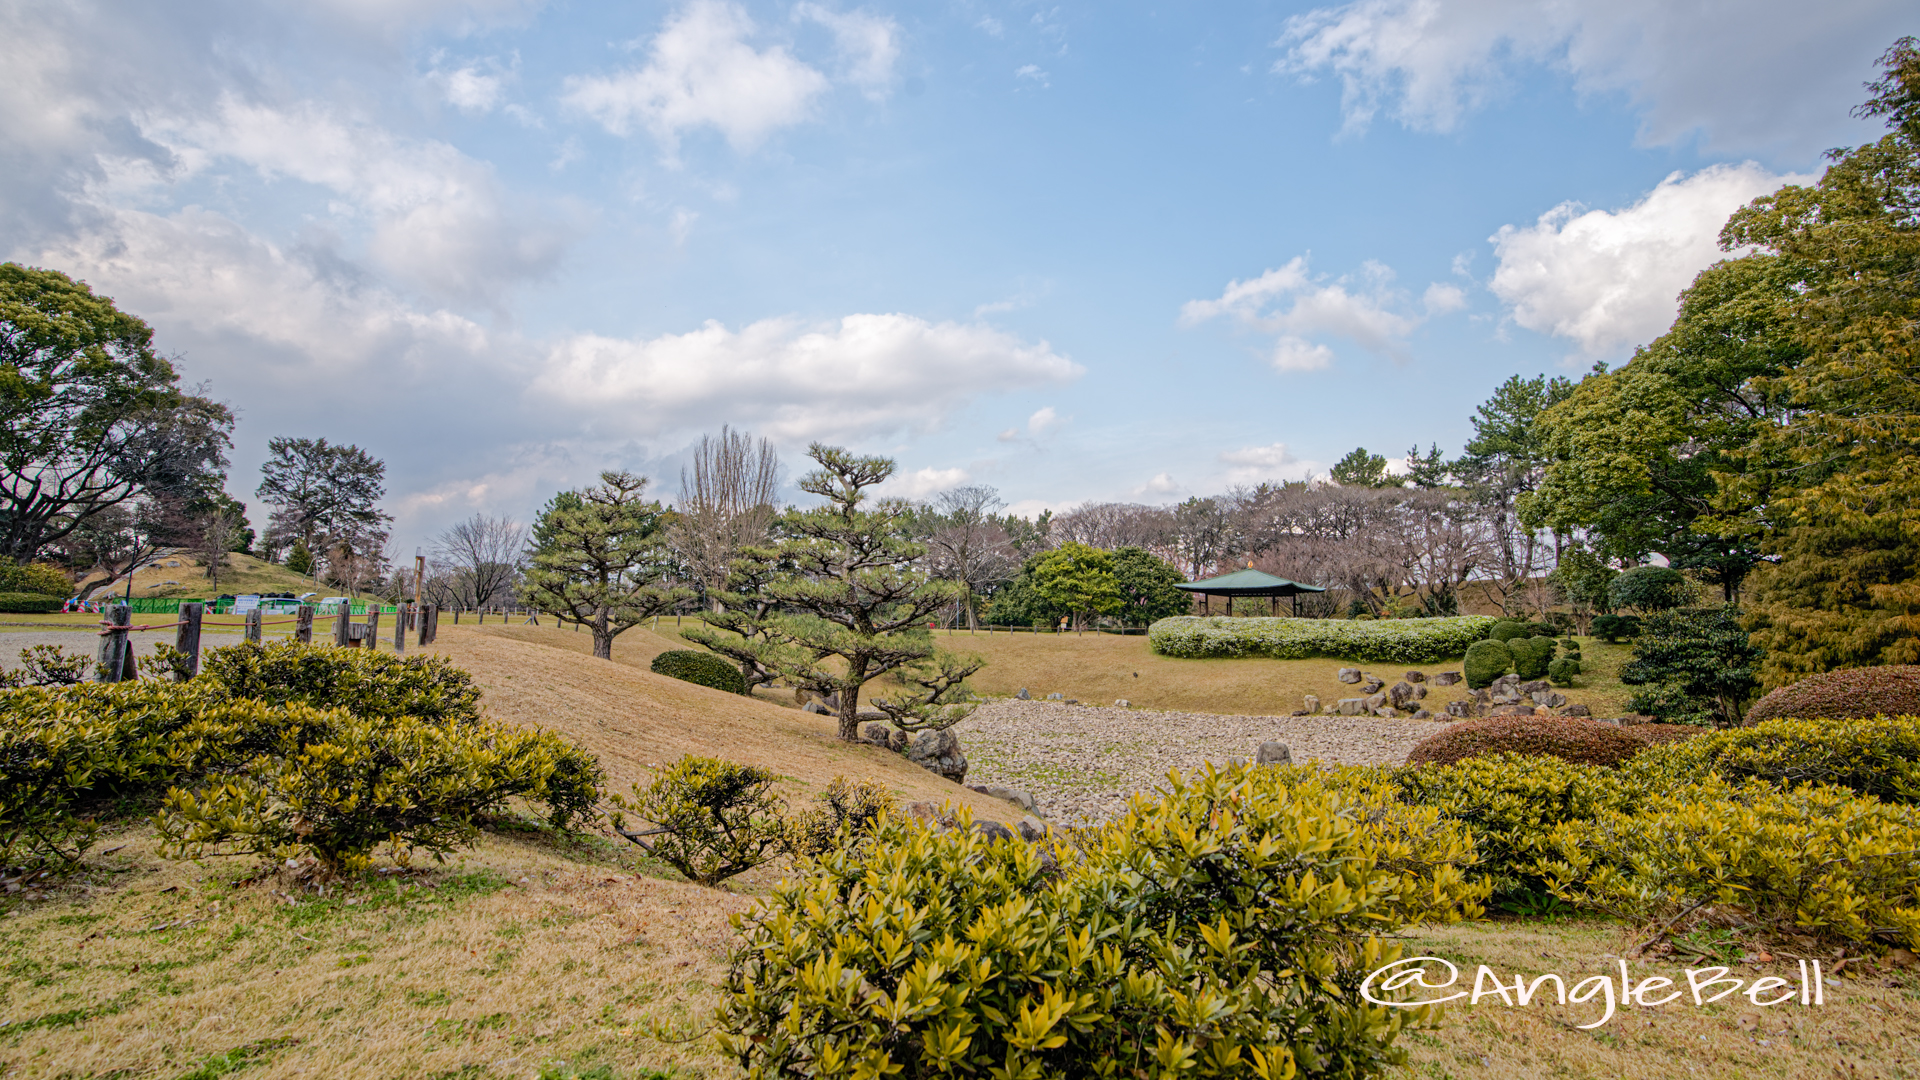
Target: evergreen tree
598, 559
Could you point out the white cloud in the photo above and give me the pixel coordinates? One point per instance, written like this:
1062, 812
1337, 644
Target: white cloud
863, 376
1032, 73
1042, 421
1258, 464
868, 46
1609, 279
1686, 67
438, 217
471, 90
1441, 298
1294, 304
993, 27
1160, 484
923, 482
702, 72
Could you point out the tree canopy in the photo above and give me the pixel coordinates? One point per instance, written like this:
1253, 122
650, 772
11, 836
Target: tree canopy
598, 559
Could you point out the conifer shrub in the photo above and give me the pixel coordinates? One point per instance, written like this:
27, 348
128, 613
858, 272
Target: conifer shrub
1582, 742
34, 579
1531, 656
1485, 662
710, 818
700, 668
1844, 695
1222, 930
1611, 628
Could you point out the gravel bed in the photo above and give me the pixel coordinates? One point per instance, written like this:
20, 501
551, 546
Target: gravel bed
1082, 763
86, 640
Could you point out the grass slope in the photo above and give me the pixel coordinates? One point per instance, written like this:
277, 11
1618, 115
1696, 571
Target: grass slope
243, 574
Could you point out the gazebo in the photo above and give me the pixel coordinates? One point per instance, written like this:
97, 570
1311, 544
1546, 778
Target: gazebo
1249, 582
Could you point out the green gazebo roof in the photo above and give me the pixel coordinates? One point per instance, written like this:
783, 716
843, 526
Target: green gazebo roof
1248, 582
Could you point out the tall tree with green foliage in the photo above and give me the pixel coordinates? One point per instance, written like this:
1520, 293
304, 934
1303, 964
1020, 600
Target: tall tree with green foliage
1361, 469
1693, 666
1147, 586
599, 557
1078, 578
853, 603
1504, 462
90, 416
1838, 482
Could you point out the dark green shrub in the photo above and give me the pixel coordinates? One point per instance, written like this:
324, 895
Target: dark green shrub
1544, 629
1651, 588
843, 815
1221, 931
1507, 630
1844, 695
1878, 757
362, 681
1485, 662
1611, 628
1696, 667
711, 819
19, 603
1531, 655
1583, 742
1563, 671
701, 668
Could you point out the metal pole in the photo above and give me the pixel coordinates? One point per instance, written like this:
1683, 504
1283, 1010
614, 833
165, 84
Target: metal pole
186, 637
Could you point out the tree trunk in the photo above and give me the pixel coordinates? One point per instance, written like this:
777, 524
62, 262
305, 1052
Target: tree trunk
850, 703
602, 638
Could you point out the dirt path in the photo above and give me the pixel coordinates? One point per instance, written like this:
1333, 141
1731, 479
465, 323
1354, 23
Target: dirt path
1082, 763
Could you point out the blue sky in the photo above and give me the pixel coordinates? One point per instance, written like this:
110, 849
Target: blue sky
1075, 251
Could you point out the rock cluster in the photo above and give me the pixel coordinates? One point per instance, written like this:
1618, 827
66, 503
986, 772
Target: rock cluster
1508, 695
1030, 829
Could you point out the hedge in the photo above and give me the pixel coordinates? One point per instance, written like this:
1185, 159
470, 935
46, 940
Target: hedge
1878, 757
20, 603
1384, 641
701, 669
1583, 742
1845, 695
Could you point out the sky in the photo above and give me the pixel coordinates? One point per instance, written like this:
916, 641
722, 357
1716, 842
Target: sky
1076, 251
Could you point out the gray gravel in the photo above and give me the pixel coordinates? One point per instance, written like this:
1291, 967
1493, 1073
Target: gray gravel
1082, 763
86, 640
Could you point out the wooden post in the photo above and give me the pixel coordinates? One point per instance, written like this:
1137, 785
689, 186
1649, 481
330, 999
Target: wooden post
372, 638
253, 626
186, 637
303, 625
433, 624
341, 620
420, 619
113, 657
400, 619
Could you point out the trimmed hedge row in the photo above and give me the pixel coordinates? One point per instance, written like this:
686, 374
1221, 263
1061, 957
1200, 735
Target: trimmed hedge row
1582, 742
701, 669
1386, 641
1844, 695
20, 603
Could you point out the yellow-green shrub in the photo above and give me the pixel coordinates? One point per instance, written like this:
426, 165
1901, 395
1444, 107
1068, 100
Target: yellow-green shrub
712, 818
1221, 931
845, 814
1879, 756
1817, 859
362, 681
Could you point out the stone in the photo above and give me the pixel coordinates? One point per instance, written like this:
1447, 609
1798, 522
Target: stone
1375, 700
1273, 753
993, 831
1416, 676
1387, 713
1031, 829
1511, 710
939, 752
1423, 714
923, 811
1460, 710
1536, 687
885, 735
1023, 695
1056, 697
1446, 678
1401, 694
1351, 706
1419, 691
1573, 710
1374, 685
1071, 701
814, 706
1481, 696
1312, 704
1122, 703
1349, 675
1552, 699
1013, 795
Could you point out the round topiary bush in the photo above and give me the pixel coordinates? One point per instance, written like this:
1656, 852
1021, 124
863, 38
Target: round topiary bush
1844, 695
702, 668
18, 603
1611, 628
1531, 656
1507, 630
1583, 742
1563, 671
1485, 662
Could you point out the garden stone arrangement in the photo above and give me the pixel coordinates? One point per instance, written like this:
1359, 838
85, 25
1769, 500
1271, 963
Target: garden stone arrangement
1081, 764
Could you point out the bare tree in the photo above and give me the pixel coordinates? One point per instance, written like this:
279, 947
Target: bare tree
215, 531
1203, 534
1117, 525
478, 561
726, 504
968, 544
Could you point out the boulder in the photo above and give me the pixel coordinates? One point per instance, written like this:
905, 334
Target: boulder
939, 752
1416, 676
1552, 699
1373, 685
1023, 695
1461, 710
1573, 710
1056, 697
1419, 691
1536, 687
1402, 694
1387, 712
884, 735
1375, 700
1122, 703
1312, 704
1031, 829
1273, 753
1013, 795
814, 706
1422, 714
1351, 706
1446, 678
993, 831
923, 811
1511, 710
1349, 675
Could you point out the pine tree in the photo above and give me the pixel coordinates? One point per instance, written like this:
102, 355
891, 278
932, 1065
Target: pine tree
599, 557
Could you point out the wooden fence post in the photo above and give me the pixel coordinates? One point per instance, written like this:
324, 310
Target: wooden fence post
186, 637
113, 657
342, 619
400, 619
253, 626
423, 636
433, 622
303, 625
372, 638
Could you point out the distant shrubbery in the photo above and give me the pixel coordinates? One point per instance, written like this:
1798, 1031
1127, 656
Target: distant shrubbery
1846, 694
1385, 641
20, 603
1583, 742
700, 668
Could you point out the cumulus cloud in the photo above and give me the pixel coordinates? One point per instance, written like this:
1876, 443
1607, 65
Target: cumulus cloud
1256, 464
1297, 306
868, 45
470, 90
1608, 279
1686, 67
1043, 422
863, 376
923, 482
703, 72
1159, 484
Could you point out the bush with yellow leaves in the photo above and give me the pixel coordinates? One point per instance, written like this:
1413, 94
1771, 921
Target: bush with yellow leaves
1222, 930
1877, 756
